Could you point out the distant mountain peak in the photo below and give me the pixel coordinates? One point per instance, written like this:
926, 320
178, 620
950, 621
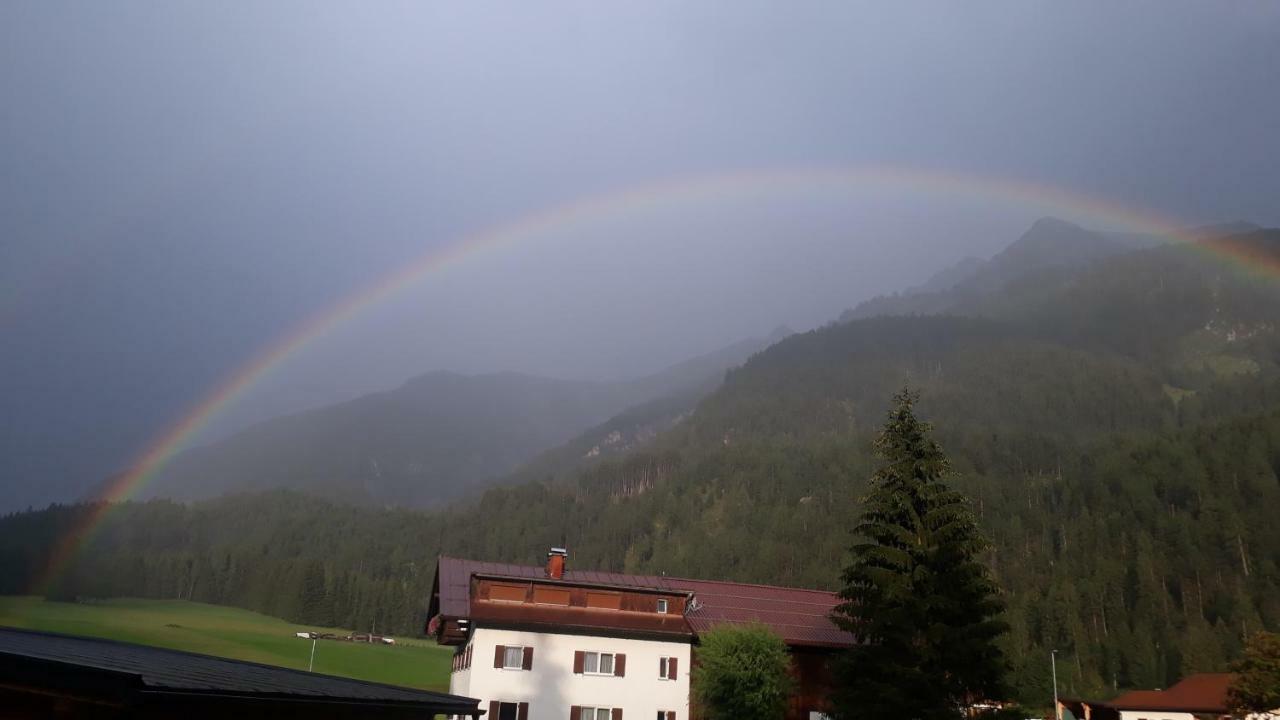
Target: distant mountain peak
1049, 223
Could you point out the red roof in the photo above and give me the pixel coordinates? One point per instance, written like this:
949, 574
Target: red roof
1203, 693
800, 617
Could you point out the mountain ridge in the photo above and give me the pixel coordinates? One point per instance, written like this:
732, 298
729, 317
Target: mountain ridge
437, 436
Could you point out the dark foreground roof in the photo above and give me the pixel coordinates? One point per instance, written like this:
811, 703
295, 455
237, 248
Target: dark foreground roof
125, 674
800, 617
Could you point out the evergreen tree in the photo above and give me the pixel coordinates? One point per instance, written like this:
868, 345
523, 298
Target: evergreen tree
916, 595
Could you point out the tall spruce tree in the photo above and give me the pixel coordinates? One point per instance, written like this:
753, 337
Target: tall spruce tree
916, 595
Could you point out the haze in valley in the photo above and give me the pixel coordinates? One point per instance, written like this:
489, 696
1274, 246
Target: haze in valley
186, 184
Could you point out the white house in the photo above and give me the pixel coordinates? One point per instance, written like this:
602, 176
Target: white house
541, 643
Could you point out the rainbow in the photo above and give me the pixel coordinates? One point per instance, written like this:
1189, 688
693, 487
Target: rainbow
632, 201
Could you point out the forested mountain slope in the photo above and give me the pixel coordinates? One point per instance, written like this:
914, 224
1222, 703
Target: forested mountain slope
434, 439
1050, 247
1116, 424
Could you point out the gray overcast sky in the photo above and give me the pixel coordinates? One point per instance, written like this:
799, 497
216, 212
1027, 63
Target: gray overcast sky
184, 182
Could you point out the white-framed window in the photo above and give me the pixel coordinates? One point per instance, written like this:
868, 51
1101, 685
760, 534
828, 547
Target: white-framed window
513, 657
662, 605
666, 668
597, 663
595, 713
666, 715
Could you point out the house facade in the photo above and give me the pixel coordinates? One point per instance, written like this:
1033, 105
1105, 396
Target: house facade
1203, 695
546, 643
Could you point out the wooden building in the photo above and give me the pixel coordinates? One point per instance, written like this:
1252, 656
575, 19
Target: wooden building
549, 643
1195, 697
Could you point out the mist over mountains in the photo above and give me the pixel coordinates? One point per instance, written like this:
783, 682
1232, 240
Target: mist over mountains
1113, 421
443, 436
433, 439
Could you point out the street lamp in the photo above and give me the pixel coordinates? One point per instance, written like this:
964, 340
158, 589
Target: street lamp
1053, 663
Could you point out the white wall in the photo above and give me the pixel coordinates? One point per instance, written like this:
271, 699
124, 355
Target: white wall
551, 687
1131, 714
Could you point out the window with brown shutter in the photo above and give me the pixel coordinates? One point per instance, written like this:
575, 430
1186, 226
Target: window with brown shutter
522, 711
527, 661
620, 665
579, 658
671, 668
498, 653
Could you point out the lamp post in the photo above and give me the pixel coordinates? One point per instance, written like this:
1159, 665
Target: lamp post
1053, 664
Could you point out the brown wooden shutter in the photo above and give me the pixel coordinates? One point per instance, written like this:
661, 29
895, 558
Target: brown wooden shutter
493, 708
617, 714
522, 711
579, 661
575, 712
498, 652
671, 668
671, 715
620, 666
527, 662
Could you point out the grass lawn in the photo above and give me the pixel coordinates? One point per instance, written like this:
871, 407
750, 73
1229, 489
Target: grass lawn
233, 633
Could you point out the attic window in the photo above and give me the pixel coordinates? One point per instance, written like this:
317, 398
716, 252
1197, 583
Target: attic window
662, 605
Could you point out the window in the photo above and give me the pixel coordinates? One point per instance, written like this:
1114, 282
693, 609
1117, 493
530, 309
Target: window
508, 711
662, 605
598, 663
666, 715
513, 658
595, 713
499, 710
667, 668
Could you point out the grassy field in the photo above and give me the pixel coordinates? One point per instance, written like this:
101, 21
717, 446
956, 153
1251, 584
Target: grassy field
233, 633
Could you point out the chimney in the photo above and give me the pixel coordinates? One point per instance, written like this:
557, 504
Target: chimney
555, 563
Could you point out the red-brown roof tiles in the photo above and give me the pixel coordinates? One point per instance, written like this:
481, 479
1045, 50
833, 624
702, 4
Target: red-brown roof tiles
1200, 693
800, 617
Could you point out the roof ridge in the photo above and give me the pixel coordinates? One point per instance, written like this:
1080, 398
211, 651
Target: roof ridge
758, 585
664, 578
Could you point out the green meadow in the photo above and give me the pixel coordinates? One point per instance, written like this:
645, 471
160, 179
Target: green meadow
233, 633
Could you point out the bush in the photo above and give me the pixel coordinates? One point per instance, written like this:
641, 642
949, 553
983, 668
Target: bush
742, 673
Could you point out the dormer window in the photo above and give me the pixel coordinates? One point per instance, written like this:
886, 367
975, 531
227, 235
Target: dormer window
662, 605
